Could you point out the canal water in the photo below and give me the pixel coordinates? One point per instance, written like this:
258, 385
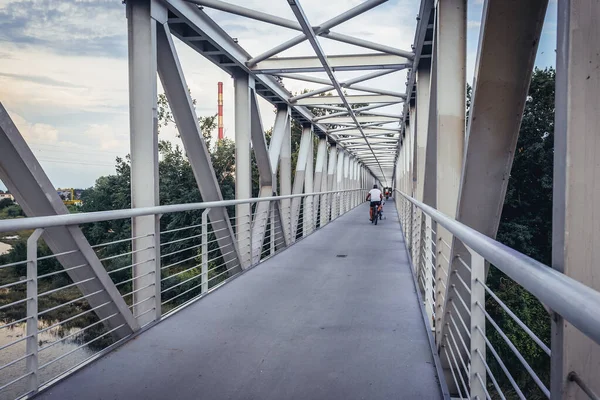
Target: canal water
11, 353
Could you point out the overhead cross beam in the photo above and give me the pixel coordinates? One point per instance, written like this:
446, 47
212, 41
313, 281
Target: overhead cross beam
323, 30
306, 27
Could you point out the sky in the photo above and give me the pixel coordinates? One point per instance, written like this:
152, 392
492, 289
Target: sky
64, 77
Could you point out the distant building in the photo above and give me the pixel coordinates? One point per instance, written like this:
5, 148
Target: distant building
7, 196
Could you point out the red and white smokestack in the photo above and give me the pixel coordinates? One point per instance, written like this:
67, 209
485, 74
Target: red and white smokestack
220, 110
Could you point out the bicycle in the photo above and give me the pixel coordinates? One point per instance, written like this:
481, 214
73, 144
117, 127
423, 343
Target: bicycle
376, 213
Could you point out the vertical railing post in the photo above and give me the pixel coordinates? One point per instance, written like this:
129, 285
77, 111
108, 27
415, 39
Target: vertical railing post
31, 344
429, 262
204, 278
477, 326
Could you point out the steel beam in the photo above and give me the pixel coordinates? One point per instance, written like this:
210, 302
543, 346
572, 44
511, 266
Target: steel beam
285, 176
24, 177
308, 210
352, 99
331, 181
350, 62
142, 49
320, 177
325, 62
323, 28
576, 200
192, 22
339, 179
502, 78
264, 158
176, 90
299, 178
243, 171
423, 83
451, 83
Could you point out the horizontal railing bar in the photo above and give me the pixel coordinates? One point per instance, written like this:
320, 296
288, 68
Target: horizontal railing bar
574, 377
76, 333
189, 227
134, 278
73, 317
453, 375
14, 303
461, 300
515, 351
14, 322
15, 381
467, 288
462, 321
463, 263
14, 284
79, 347
13, 264
69, 302
142, 301
15, 342
126, 253
501, 364
489, 372
516, 319
121, 241
62, 271
15, 361
112, 271
64, 253
487, 394
573, 300
137, 290
65, 287
458, 369
50, 221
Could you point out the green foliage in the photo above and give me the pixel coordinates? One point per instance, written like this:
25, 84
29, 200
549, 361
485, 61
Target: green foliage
6, 203
526, 226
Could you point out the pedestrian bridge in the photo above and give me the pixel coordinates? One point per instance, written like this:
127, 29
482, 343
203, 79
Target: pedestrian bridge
336, 315
287, 291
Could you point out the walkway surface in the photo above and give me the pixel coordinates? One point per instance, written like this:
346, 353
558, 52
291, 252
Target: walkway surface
306, 324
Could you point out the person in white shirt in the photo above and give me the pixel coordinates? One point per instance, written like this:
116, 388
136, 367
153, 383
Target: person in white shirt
376, 197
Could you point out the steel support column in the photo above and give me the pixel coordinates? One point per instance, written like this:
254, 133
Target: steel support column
243, 171
502, 77
176, 90
576, 198
144, 155
285, 176
339, 182
331, 181
307, 215
451, 86
299, 178
320, 177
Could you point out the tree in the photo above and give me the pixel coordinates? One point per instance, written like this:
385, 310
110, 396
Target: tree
6, 203
526, 226
165, 117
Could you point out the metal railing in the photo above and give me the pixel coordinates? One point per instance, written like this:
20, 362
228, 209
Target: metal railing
48, 325
479, 351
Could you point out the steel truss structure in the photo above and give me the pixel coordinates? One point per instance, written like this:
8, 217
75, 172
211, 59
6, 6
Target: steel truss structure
450, 175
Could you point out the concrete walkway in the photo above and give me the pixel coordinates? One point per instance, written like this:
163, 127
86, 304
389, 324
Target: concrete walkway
333, 317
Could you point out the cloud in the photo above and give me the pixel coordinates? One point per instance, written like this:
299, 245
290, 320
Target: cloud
82, 27
43, 80
35, 133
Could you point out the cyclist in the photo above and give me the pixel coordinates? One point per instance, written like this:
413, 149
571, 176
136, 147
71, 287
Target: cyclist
376, 197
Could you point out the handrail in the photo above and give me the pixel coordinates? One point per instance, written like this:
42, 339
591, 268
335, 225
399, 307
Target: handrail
574, 301
10, 225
